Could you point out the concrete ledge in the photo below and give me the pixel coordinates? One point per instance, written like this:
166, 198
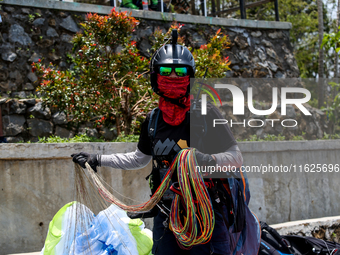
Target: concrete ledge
31, 253
315, 145
167, 17
305, 226
27, 151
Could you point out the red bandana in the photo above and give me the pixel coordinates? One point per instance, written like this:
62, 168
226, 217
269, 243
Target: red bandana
173, 88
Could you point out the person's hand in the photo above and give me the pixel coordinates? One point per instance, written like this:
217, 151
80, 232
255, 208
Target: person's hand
83, 157
205, 159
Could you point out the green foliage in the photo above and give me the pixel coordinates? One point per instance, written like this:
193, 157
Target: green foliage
107, 83
303, 15
313, 102
267, 137
158, 38
297, 138
31, 18
333, 108
210, 56
83, 138
330, 136
331, 41
255, 138
127, 138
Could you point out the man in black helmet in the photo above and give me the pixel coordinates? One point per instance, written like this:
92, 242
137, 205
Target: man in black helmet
165, 131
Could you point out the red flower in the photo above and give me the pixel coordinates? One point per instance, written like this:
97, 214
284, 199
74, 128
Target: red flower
203, 47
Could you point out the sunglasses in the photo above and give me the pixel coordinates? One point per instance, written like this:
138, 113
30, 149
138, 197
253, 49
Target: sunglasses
167, 70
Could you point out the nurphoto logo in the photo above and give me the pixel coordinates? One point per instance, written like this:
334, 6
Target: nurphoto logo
239, 99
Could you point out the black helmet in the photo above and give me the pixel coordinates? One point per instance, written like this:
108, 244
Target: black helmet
170, 55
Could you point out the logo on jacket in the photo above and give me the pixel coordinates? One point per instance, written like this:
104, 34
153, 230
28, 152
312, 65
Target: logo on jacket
164, 148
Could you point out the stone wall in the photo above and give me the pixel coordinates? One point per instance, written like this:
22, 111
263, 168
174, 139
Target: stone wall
33, 30
27, 120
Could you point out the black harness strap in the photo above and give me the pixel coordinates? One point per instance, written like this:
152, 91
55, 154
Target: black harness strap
154, 182
152, 127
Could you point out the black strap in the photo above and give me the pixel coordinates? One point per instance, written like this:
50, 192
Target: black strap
282, 241
152, 127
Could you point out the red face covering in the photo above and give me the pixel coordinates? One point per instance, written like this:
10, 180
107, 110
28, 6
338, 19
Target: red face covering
173, 88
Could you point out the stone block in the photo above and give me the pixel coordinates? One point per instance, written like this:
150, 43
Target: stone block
9, 56
66, 38
52, 22
51, 32
26, 10
32, 77
271, 53
63, 132
241, 42
14, 107
28, 86
272, 66
17, 34
39, 111
20, 94
30, 101
275, 35
59, 118
107, 134
69, 24
16, 76
13, 124
45, 43
16, 139
38, 22
9, 9
267, 43
3, 75
35, 57
20, 17
290, 112
256, 34
41, 128
91, 132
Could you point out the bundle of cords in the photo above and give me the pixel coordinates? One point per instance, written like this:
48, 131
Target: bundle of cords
197, 225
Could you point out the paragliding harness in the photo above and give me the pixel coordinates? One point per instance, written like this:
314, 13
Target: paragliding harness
230, 196
218, 188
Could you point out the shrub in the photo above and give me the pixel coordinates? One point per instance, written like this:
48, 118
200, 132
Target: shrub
107, 82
